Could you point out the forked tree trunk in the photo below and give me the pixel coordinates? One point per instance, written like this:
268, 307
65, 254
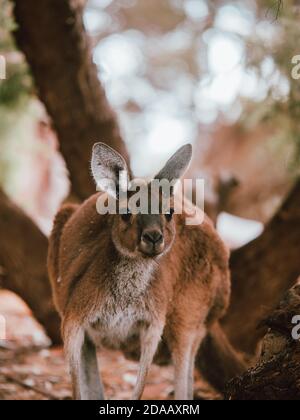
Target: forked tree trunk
277, 375
23, 251
52, 36
262, 272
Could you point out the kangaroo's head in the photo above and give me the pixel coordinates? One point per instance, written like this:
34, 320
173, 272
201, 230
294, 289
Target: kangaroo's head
145, 222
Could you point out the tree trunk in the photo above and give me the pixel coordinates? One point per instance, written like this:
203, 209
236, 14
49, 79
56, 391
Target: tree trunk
23, 265
277, 375
52, 36
262, 272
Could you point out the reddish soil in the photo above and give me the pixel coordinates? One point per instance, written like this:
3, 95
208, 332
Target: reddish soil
31, 370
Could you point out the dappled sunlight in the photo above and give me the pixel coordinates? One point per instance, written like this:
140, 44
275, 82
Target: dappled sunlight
105, 106
236, 231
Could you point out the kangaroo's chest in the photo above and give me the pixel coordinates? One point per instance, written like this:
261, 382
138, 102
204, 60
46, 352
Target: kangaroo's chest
124, 308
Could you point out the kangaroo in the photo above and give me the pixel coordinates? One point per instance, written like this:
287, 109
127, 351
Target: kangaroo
118, 275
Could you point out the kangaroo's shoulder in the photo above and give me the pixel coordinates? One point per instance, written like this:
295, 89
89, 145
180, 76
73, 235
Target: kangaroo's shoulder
61, 218
197, 231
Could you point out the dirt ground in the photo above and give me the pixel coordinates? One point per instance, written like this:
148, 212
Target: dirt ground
31, 370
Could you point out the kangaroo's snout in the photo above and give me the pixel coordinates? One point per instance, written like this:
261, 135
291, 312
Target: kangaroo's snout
153, 236
178, 297
152, 242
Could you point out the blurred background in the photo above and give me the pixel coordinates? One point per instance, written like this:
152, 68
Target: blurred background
217, 74
214, 73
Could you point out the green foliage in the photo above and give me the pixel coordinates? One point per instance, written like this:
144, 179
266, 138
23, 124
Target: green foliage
282, 110
15, 91
18, 86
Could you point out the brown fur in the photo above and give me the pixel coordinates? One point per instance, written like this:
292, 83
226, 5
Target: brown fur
105, 297
189, 285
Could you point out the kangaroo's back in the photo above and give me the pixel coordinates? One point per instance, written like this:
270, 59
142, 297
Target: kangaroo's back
62, 217
136, 273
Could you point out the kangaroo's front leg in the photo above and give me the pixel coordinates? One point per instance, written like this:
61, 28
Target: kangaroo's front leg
184, 349
196, 345
82, 357
150, 338
184, 352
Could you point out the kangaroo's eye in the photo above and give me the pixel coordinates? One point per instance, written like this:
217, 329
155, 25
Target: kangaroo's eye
126, 217
169, 215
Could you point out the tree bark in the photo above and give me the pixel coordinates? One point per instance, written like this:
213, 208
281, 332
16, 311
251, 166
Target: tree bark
23, 255
262, 272
52, 36
277, 375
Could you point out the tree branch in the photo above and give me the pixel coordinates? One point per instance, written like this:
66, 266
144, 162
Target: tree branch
262, 272
277, 374
23, 255
53, 38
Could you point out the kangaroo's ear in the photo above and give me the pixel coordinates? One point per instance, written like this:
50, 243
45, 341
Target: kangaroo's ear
109, 169
176, 167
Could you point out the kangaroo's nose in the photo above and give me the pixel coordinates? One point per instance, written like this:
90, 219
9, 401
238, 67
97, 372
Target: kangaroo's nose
153, 237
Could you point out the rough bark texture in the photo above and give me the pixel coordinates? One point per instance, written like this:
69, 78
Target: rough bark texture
262, 272
23, 251
52, 36
277, 375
